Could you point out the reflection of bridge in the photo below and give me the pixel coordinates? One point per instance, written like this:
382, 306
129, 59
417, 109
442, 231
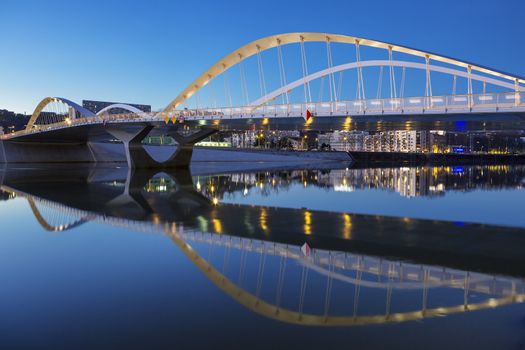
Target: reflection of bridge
265, 270
499, 96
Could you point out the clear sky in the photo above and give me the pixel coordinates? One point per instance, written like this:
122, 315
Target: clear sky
148, 51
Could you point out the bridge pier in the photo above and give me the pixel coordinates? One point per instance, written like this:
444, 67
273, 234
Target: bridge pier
138, 157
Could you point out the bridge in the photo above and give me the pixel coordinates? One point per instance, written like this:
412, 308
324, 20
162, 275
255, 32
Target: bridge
268, 273
343, 89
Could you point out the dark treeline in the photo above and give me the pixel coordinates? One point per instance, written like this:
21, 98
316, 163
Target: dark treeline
11, 120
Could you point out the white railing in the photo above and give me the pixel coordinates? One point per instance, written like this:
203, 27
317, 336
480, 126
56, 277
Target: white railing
489, 102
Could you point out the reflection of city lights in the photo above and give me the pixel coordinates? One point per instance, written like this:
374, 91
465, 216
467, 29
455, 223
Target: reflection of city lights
203, 223
347, 234
262, 219
245, 192
307, 222
217, 225
344, 188
156, 219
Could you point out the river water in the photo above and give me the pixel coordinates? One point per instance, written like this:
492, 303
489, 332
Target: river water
274, 257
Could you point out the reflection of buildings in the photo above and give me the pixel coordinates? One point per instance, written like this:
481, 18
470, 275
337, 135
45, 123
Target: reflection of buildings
408, 182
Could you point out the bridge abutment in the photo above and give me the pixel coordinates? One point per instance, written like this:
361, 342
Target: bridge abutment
42, 152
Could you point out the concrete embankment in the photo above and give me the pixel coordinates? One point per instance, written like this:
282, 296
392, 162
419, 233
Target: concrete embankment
400, 158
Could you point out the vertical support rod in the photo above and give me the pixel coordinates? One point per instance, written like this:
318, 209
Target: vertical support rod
244, 85
227, 94
262, 80
428, 84
360, 82
304, 63
469, 87
403, 77
380, 83
282, 73
393, 93
517, 93
333, 93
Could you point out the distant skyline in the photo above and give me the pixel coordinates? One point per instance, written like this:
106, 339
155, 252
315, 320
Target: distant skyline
147, 52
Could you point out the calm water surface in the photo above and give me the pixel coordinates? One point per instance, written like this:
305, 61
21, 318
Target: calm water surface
419, 257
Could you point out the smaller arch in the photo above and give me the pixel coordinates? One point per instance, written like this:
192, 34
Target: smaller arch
40, 107
378, 63
122, 106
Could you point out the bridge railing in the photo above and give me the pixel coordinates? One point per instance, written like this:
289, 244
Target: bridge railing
488, 102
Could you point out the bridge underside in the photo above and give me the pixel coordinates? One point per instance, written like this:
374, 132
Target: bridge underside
101, 143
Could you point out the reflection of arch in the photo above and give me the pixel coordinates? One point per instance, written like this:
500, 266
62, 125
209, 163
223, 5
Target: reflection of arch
376, 63
257, 304
40, 107
290, 38
122, 106
261, 307
49, 227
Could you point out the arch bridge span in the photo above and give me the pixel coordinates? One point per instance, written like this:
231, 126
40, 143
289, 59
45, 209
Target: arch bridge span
277, 41
505, 105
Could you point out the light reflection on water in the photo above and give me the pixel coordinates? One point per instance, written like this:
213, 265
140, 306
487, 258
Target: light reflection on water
490, 194
223, 255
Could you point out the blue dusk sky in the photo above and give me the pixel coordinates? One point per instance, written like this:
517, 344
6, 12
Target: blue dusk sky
148, 51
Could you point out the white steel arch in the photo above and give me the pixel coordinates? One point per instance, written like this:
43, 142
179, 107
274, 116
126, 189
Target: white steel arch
282, 39
126, 107
378, 63
40, 107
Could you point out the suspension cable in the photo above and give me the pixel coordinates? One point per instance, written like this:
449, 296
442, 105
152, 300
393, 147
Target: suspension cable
213, 92
304, 63
227, 94
402, 93
321, 92
282, 73
244, 85
393, 93
361, 83
260, 68
380, 83
333, 95
428, 84
340, 84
